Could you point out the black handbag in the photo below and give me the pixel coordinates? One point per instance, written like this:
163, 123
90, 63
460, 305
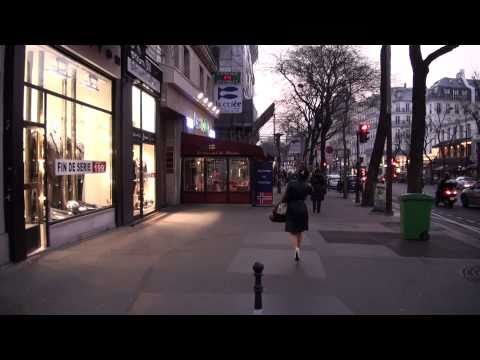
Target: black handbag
279, 213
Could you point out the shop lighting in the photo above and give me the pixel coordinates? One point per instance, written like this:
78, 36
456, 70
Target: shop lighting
92, 82
216, 112
200, 96
209, 105
214, 108
205, 100
190, 123
211, 133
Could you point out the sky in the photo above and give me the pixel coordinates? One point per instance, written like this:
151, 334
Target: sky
269, 86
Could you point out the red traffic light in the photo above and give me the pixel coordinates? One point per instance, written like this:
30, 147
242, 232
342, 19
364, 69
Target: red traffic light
364, 127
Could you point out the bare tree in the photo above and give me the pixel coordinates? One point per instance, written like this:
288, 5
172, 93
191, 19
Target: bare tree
319, 76
380, 137
420, 69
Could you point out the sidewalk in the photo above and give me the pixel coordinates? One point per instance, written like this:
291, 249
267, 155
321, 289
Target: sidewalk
198, 260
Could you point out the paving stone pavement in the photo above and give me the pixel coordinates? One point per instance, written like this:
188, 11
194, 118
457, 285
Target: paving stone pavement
198, 260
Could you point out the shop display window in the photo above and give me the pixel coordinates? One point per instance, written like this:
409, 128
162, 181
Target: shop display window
77, 136
193, 175
51, 70
77, 132
143, 107
148, 178
216, 174
239, 176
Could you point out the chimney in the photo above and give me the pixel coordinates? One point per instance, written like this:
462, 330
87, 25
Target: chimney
405, 85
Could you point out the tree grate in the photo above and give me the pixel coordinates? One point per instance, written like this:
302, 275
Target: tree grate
472, 273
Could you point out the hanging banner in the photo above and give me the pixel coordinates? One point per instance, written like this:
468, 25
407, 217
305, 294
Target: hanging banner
79, 167
264, 183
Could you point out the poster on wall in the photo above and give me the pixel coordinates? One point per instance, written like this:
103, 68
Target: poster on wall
79, 167
264, 183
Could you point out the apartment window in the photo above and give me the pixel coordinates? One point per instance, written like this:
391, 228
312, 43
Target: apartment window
398, 108
397, 120
407, 107
461, 131
430, 108
448, 133
469, 130
408, 119
186, 61
447, 108
443, 135
455, 93
439, 108
446, 91
201, 76
209, 87
457, 109
176, 56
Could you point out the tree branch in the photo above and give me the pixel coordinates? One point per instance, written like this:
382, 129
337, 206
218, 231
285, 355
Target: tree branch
437, 53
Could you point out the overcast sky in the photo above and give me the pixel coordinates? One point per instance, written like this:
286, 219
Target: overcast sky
270, 86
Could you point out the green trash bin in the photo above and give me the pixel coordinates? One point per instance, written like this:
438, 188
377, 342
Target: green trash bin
415, 211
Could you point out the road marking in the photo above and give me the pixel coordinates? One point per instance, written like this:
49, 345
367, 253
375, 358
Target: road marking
473, 229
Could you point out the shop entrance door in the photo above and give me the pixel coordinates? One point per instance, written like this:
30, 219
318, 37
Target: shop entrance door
143, 152
34, 187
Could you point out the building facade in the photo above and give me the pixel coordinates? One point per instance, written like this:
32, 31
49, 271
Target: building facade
452, 136
186, 105
238, 59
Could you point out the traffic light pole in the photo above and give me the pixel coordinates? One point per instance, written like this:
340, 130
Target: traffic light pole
357, 187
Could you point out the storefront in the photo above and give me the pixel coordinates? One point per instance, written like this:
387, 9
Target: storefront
141, 134
61, 112
217, 171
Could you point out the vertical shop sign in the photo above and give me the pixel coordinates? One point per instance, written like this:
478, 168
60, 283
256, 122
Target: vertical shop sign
264, 183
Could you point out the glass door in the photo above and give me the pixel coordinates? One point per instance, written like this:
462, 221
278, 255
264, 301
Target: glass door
144, 157
34, 187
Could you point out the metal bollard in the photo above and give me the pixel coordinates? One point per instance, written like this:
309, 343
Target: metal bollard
258, 288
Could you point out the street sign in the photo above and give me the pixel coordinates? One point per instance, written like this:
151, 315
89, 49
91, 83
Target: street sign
328, 149
229, 98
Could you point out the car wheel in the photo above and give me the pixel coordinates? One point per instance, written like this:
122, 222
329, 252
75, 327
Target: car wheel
464, 201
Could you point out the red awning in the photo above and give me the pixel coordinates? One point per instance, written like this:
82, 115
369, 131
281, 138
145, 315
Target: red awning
196, 145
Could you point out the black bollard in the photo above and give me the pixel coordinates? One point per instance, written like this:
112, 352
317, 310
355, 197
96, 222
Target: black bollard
258, 288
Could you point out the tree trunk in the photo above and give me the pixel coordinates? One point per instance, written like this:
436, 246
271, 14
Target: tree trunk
343, 174
417, 134
379, 145
323, 141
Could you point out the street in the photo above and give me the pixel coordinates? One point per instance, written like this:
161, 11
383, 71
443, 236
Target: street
469, 217
197, 259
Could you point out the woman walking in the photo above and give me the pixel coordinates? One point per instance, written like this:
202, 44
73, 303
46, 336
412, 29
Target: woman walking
318, 190
297, 212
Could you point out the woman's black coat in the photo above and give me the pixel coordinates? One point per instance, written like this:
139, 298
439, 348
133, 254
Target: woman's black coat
297, 212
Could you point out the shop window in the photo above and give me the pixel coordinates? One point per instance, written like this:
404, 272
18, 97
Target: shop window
149, 174
77, 132
136, 107
148, 112
216, 174
239, 176
193, 175
50, 69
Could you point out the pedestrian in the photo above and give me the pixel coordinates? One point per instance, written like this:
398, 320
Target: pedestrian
297, 213
318, 190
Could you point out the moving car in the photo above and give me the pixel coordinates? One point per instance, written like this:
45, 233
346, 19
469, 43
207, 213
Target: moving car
464, 182
332, 181
471, 195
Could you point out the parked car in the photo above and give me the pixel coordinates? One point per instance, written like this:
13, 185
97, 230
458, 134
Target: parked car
332, 181
464, 182
471, 195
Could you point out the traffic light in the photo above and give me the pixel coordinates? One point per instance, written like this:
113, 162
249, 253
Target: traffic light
363, 172
363, 133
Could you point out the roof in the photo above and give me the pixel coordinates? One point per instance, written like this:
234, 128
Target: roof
196, 145
455, 83
401, 94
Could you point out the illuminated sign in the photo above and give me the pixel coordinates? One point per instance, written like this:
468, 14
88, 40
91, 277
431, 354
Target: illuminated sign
228, 77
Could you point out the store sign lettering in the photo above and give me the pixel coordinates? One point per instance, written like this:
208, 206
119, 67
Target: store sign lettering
79, 167
201, 124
